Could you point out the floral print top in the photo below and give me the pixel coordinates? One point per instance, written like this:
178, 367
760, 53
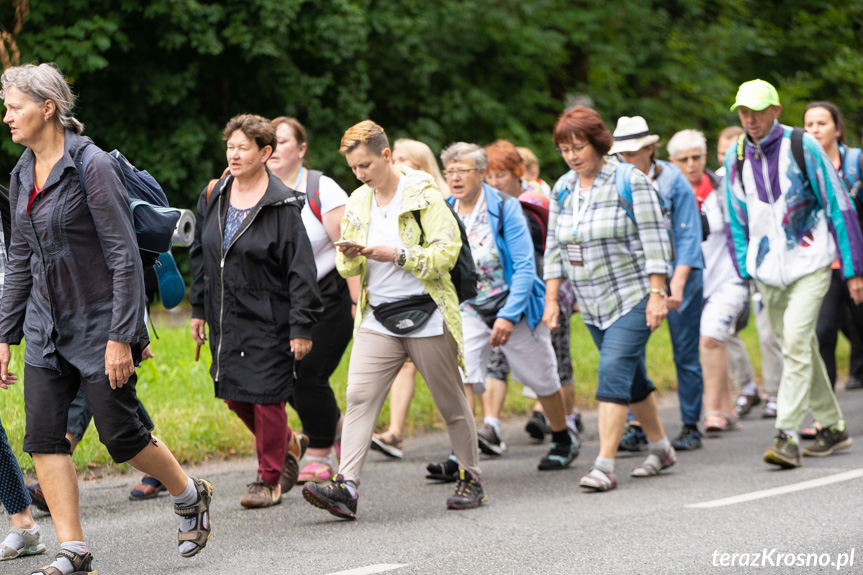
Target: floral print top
489, 269
232, 224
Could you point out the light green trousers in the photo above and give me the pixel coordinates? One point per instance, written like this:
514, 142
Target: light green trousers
793, 314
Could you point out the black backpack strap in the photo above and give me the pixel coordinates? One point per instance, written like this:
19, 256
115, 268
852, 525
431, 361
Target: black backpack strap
313, 193
741, 157
83, 160
797, 152
416, 214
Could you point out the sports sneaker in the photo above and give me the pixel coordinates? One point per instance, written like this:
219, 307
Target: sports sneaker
388, 444
783, 452
333, 496
262, 494
559, 456
769, 411
688, 439
537, 426
446, 470
633, 439
829, 440
38, 498
489, 440
745, 403
655, 463
468, 492
598, 480
297, 446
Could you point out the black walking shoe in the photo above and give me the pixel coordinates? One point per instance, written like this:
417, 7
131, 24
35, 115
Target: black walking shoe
559, 456
332, 496
828, 441
783, 452
489, 441
446, 470
537, 426
468, 492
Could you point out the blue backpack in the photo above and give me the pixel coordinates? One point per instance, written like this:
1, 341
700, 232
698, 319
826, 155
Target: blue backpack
153, 219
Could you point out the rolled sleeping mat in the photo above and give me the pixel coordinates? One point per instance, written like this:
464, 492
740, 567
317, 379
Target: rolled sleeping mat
184, 235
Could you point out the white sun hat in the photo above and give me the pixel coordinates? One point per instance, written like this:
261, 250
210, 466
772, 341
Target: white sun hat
631, 134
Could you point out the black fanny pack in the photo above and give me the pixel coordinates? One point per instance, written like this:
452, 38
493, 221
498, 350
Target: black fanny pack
405, 315
489, 308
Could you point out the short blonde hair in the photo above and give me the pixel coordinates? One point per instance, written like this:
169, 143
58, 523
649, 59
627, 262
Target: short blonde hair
421, 155
368, 133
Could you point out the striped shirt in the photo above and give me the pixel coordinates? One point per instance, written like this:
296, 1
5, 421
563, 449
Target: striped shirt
619, 256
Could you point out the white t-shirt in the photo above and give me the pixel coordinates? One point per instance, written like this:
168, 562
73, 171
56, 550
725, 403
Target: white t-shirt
332, 196
387, 282
718, 265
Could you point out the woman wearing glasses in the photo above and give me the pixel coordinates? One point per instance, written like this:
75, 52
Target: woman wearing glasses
617, 259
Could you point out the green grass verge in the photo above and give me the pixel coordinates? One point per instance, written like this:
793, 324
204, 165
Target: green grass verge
178, 393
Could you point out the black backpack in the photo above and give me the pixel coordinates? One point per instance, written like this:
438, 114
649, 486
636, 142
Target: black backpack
463, 274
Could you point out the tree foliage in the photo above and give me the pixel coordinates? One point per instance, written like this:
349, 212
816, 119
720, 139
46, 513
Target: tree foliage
160, 78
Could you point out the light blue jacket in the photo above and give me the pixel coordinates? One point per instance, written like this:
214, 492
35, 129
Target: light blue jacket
685, 217
515, 248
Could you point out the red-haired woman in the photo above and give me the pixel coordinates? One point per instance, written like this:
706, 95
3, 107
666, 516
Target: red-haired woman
617, 259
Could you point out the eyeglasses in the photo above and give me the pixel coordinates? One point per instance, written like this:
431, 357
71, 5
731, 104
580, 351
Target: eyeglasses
685, 160
458, 171
573, 150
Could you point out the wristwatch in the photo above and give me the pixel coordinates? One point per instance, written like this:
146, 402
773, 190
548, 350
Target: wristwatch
402, 259
659, 291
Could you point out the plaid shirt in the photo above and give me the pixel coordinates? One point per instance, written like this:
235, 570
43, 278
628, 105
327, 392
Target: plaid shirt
619, 256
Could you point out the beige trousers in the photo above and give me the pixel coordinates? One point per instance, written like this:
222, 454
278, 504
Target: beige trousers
375, 361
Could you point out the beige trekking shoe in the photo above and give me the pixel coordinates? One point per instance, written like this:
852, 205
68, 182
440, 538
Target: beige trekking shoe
291, 471
262, 494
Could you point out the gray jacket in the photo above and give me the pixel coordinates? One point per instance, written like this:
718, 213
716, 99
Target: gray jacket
74, 278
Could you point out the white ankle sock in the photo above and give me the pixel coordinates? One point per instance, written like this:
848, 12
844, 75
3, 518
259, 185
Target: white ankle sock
494, 422
749, 389
63, 564
185, 499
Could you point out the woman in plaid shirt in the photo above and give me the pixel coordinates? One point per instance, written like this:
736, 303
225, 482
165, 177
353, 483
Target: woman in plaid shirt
617, 259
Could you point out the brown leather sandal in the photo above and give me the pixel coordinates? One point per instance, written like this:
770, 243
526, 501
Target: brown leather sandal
82, 564
149, 488
200, 511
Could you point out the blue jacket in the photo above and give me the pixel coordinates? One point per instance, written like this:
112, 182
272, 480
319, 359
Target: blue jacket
685, 217
515, 247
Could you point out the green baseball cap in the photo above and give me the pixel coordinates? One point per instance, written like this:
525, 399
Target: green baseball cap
756, 95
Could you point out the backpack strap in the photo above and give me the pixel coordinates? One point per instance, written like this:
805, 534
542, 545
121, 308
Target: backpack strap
623, 182
213, 183
313, 193
416, 214
797, 152
84, 156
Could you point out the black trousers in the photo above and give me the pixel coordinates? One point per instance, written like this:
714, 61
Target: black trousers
839, 313
312, 396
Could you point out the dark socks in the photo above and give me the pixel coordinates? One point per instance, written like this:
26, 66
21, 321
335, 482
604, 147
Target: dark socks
562, 437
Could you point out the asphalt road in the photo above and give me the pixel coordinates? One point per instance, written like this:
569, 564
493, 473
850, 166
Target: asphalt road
533, 523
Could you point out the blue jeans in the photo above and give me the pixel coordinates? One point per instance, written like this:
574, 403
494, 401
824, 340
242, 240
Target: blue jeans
13, 492
622, 377
685, 325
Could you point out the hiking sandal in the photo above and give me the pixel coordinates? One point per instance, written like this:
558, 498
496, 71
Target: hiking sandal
31, 545
200, 511
82, 564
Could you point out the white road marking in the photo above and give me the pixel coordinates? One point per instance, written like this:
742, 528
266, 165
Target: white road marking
372, 569
803, 485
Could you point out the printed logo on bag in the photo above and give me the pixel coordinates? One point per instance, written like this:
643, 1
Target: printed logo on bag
405, 323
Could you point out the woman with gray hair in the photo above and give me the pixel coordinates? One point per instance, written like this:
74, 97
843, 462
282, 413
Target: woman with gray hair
726, 295
74, 288
506, 314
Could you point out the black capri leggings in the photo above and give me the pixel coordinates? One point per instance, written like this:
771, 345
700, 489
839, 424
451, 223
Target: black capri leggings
48, 395
312, 395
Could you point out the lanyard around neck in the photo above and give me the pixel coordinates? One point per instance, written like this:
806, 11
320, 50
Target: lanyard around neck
299, 179
477, 207
579, 212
